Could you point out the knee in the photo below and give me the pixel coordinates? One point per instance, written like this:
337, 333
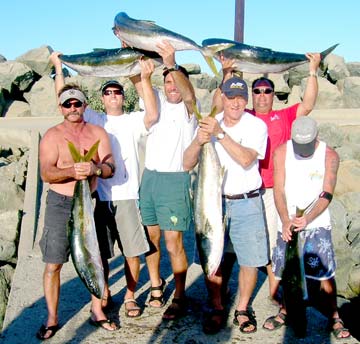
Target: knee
52, 269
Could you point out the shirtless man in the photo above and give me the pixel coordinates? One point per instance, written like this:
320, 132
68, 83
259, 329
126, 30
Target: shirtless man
58, 169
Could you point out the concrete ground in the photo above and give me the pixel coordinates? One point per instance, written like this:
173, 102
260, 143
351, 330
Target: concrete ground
27, 309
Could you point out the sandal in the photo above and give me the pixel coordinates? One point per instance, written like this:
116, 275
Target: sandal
134, 311
160, 298
176, 310
107, 302
247, 323
337, 332
101, 323
214, 321
41, 334
276, 324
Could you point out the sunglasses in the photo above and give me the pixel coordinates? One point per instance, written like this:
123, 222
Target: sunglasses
263, 90
116, 92
68, 104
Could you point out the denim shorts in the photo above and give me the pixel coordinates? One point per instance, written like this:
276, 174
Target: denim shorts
318, 254
165, 200
246, 231
119, 221
54, 242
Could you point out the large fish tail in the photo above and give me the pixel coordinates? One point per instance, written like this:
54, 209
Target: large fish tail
328, 51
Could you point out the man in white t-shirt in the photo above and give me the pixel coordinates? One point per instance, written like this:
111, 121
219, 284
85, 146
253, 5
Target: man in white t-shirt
117, 215
165, 186
240, 141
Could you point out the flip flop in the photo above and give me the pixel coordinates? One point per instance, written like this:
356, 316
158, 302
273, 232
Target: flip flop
101, 323
41, 334
130, 310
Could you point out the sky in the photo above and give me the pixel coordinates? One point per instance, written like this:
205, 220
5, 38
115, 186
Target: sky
77, 26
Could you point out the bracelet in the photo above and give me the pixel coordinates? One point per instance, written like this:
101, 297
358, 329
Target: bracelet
112, 167
314, 74
173, 68
327, 195
61, 74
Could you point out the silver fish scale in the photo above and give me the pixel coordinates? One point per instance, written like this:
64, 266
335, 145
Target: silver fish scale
208, 209
84, 246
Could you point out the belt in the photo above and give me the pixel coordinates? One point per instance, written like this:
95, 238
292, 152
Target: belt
251, 194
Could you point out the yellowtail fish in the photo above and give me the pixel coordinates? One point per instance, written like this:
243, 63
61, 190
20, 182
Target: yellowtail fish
209, 225
84, 246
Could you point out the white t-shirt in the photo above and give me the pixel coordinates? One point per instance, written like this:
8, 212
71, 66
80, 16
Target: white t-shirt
250, 132
169, 137
304, 181
124, 132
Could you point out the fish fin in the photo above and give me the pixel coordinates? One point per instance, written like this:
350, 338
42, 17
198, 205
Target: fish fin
95, 50
77, 157
212, 49
327, 51
210, 61
213, 112
197, 112
92, 151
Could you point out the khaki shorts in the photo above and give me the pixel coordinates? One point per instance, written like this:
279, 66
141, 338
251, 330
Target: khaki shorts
119, 221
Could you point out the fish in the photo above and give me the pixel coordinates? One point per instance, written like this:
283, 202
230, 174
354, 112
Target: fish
84, 247
145, 34
121, 62
253, 59
294, 280
209, 224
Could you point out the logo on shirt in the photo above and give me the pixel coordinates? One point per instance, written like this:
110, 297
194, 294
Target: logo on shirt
274, 118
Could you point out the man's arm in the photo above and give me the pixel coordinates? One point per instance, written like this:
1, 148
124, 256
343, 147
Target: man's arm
59, 76
106, 163
279, 191
186, 89
227, 70
311, 90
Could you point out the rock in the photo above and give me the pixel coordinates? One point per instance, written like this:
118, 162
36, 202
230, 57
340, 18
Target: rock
353, 68
351, 92
332, 134
15, 77
18, 108
38, 60
6, 273
2, 58
348, 177
9, 236
329, 96
336, 67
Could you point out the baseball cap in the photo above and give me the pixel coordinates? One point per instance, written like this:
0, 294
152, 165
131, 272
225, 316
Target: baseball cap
303, 134
262, 82
235, 87
72, 94
112, 83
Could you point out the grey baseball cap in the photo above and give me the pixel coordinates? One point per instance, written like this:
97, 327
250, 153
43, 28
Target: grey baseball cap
303, 134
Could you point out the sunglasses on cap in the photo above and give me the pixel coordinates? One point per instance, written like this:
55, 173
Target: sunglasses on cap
116, 92
68, 104
263, 90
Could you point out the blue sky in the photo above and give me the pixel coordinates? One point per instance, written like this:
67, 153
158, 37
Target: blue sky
284, 25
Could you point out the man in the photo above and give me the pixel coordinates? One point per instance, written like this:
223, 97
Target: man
279, 126
305, 171
116, 211
240, 141
164, 191
58, 169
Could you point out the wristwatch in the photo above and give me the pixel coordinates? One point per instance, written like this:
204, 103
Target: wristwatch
220, 136
98, 172
174, 68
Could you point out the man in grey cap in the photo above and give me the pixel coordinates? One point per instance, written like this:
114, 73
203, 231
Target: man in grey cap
116, 211
59, 170
240, 141
305, 171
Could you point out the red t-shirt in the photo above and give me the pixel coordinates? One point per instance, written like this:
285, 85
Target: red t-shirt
279, 124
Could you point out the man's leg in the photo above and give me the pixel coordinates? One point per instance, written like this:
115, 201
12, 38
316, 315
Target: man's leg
179, 264
51, 282
132, 272
98, 317
247, 283
329, 295
153, 264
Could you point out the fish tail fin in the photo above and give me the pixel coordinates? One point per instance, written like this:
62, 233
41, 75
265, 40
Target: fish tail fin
77, 157
210, 61
197, 112
327, 51
213, 112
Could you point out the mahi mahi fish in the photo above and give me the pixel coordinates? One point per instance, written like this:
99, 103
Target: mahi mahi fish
145, 34
84, 246
110, 62
252, 59
209, 225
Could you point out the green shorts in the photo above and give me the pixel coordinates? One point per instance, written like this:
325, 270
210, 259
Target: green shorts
165, 200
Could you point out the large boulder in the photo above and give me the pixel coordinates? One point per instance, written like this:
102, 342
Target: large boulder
336, 67
15, 76
18, 108
6, 274
38, 60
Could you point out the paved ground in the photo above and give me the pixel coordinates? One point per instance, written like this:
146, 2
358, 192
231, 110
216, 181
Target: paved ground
27, 309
